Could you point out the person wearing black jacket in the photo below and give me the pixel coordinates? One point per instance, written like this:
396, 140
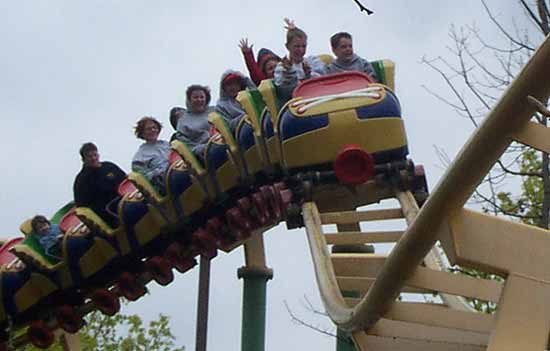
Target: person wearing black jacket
97, 183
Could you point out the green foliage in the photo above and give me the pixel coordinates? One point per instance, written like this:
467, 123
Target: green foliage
527, 204
123, 333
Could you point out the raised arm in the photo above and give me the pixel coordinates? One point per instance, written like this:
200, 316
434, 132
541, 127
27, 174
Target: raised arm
253, 69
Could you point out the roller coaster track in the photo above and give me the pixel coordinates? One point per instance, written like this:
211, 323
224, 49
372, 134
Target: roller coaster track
519, 253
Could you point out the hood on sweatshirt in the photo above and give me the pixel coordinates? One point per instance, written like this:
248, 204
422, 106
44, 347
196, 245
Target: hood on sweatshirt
230, 75
265, 55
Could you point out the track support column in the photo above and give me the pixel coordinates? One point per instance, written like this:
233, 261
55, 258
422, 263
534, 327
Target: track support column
255, 275
343, 338
202, 308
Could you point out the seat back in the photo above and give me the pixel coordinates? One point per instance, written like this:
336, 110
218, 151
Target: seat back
385, 70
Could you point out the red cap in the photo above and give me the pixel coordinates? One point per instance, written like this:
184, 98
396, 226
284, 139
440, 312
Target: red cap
232, 76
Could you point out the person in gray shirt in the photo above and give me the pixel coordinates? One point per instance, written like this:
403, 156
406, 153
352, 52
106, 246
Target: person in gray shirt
191, 123
151, 159
346, 59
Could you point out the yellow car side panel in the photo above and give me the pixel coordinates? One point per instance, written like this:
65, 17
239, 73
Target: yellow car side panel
322, 145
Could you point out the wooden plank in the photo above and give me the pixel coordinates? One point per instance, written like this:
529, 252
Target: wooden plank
500, 246
350, 238
381, 343
368, 266
535, 135
363, 284
399, 329
523, 316
360, 216
456, 284
441, 316
357, 265
437, 315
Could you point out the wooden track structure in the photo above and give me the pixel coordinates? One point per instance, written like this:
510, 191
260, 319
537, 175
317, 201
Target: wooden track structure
519, 253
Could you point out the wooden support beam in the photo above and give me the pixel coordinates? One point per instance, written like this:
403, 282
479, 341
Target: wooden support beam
379, 343
437, 315
363, 284
360, 216
456, 284
500, 246
535, 135
441, 316
349, 238
399, 329
357, 265
368, 266
523, 316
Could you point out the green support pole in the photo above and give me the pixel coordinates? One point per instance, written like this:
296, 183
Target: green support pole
254, 306
343, 339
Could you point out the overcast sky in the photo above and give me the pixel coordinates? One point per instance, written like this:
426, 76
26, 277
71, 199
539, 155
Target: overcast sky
75, 71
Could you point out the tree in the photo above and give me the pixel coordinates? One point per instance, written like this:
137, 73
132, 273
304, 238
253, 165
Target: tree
477, 73
123, 333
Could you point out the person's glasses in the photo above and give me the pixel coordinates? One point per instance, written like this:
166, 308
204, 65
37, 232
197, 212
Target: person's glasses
152, 128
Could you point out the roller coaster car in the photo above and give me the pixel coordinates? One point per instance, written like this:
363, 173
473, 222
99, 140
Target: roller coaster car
186, 182
223, 160
330, 112
249, 135
267, 119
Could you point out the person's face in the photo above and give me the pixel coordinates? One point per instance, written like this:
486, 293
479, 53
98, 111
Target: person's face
269, 68
42, 228
198, 101
297, 49
151, 132
232, 88
344, 50
91, 159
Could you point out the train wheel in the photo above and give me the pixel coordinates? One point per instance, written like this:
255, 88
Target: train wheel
40, 335
205, 242
216, 227
268, 193
129, 287
160, 270
68, 319
239, 223
174, 255
260, 206
106, 301
245, 205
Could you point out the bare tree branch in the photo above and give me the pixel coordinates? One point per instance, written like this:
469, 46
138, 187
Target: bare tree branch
503, 30
299, 321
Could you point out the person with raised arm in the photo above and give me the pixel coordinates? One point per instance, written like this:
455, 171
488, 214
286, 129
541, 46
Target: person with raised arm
295, 66
264, 66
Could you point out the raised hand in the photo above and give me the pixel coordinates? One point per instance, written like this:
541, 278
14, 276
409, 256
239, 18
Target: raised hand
243, 44
289, 24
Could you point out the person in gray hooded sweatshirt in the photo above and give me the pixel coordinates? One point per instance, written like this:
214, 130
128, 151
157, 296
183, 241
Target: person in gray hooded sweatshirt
231, 83
346, 59
192, 123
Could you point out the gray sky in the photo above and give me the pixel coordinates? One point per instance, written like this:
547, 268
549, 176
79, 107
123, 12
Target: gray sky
86, 71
